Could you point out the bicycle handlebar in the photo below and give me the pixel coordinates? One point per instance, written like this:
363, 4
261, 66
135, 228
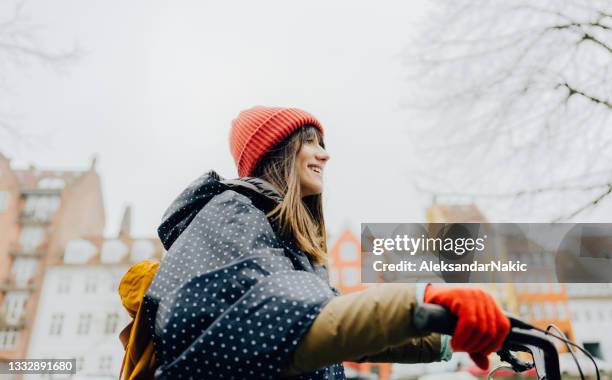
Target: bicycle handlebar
435, 318
430, 316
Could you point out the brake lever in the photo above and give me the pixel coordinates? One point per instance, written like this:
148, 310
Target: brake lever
538, 360
536, 352
517, 364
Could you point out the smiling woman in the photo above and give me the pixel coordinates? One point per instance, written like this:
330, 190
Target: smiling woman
243, 291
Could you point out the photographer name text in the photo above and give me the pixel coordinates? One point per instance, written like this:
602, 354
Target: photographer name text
443, 266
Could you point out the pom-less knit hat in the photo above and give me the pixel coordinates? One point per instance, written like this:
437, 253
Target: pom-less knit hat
257, 130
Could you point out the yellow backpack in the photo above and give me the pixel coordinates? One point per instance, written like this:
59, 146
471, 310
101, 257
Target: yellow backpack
139, 358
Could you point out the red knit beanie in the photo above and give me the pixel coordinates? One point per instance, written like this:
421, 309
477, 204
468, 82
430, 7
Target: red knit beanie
257, 130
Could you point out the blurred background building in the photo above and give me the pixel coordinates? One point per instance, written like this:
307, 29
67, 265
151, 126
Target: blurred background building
590, 308
40, 212
58, 275
80, 314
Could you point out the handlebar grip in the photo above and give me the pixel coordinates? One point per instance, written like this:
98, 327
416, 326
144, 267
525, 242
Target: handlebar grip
434, 318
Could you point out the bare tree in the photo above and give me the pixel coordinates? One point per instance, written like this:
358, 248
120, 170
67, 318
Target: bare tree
517, 100
20, 47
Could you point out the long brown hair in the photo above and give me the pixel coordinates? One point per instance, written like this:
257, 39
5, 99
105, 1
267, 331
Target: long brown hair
300, 218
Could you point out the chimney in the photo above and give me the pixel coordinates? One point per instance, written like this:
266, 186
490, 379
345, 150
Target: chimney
126, 223
94, 161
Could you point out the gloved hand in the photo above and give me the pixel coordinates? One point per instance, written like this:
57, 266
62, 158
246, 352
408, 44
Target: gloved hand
481, 324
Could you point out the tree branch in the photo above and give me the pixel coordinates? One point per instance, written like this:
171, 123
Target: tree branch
588, 205
517, 194
497, 74
18, 44
589, 37
573, 91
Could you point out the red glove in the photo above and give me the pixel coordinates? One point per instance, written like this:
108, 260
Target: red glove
481, 324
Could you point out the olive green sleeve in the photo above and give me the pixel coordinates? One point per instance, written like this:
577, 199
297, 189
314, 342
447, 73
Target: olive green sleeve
417, 350
374, 324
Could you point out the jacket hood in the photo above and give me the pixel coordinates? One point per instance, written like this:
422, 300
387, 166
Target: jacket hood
191, 200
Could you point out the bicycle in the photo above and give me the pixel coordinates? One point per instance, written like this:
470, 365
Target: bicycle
523, 337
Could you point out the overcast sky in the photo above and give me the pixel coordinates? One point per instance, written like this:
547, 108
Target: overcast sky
155, 92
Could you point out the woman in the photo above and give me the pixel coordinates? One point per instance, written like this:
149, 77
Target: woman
243, 290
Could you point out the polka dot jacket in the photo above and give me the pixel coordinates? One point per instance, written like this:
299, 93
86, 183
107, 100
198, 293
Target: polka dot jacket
231, 299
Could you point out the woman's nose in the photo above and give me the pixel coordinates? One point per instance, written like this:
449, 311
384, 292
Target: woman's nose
322, 155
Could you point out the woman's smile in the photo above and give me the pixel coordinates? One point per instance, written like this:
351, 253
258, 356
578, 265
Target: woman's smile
311, 160
316, 168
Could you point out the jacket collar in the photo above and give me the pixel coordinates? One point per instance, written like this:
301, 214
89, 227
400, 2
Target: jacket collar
256, 185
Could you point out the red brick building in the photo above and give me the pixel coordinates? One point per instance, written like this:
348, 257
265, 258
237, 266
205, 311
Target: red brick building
40, 212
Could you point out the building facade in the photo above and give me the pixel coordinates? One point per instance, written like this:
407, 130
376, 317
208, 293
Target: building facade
80, 314
590, 307
40, 212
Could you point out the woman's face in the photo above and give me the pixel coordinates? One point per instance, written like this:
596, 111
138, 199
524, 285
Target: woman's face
311, 159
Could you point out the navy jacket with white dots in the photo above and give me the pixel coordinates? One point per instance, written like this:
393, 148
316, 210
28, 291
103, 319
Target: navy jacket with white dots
231, 299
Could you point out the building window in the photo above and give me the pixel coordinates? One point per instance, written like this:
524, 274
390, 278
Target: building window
41, 207
4, 200
8, 338
350, 276
24, 269
106, 363
111, 323
115, 281
594, 349
57, 322
51, 183
84, 323
14, 305
348, 252
524, 310
561, 311
601, 315
31, 237
537, 311
549, 308
63, 285
90, 284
